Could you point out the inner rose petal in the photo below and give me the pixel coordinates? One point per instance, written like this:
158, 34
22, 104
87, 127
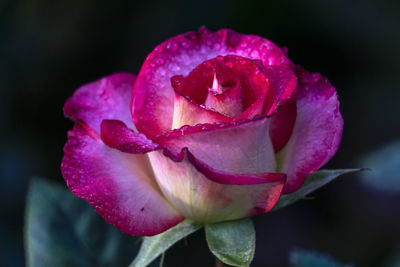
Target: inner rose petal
234, 86
225, 97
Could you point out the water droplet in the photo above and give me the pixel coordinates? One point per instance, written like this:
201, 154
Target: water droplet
161, 72
254, 54
172, 45
158, 49
150, 56
76, 191
160, 61
173, 67
186, 44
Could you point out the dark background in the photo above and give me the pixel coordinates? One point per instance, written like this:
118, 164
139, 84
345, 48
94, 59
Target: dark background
49, 48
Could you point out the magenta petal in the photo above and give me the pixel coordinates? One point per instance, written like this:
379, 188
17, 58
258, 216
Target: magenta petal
232, 179
120, 186
153, 99
207, 195
107, 98
284, 82
117, 135
317, 130
282, 124
237, 147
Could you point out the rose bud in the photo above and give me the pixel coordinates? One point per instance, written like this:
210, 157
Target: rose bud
215, 127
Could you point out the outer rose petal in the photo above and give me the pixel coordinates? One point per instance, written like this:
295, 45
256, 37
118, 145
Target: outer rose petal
202, 199
120, 186
107, 98
244, 147
116, 134
153, 98
317, 130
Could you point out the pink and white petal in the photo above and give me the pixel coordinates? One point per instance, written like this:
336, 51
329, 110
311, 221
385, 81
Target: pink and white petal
153, 98
120, 186
116, 134
188, 113
107, 98
226, 178
241, 147
190, 185
317, 131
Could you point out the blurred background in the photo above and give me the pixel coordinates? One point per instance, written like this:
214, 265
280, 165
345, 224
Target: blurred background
49, 48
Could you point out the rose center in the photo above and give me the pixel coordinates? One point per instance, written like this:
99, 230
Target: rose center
229, 85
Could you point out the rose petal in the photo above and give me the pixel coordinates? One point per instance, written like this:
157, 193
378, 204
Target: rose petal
228, 103
107, 98
217, 192
317, 130
284, 82
242, 147
195, 189
120, 186
232, 179
282, 123
188, 113
153, 98
116, 134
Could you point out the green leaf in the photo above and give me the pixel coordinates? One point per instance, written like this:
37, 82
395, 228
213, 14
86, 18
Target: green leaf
63, 230
233, 242
303, 258
313, 182
154, 246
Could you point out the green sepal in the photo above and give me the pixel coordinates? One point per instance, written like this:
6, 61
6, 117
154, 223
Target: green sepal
154, 246
232, 242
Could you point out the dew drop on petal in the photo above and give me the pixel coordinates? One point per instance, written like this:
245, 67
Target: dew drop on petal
158, 49
172, 45
160, 61
254, 54
174, 67
186, 44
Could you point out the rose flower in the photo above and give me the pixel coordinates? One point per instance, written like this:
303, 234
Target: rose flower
215, 127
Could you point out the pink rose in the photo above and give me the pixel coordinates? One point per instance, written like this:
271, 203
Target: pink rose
215, 127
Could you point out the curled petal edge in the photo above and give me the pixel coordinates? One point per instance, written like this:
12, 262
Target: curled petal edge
128, 141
